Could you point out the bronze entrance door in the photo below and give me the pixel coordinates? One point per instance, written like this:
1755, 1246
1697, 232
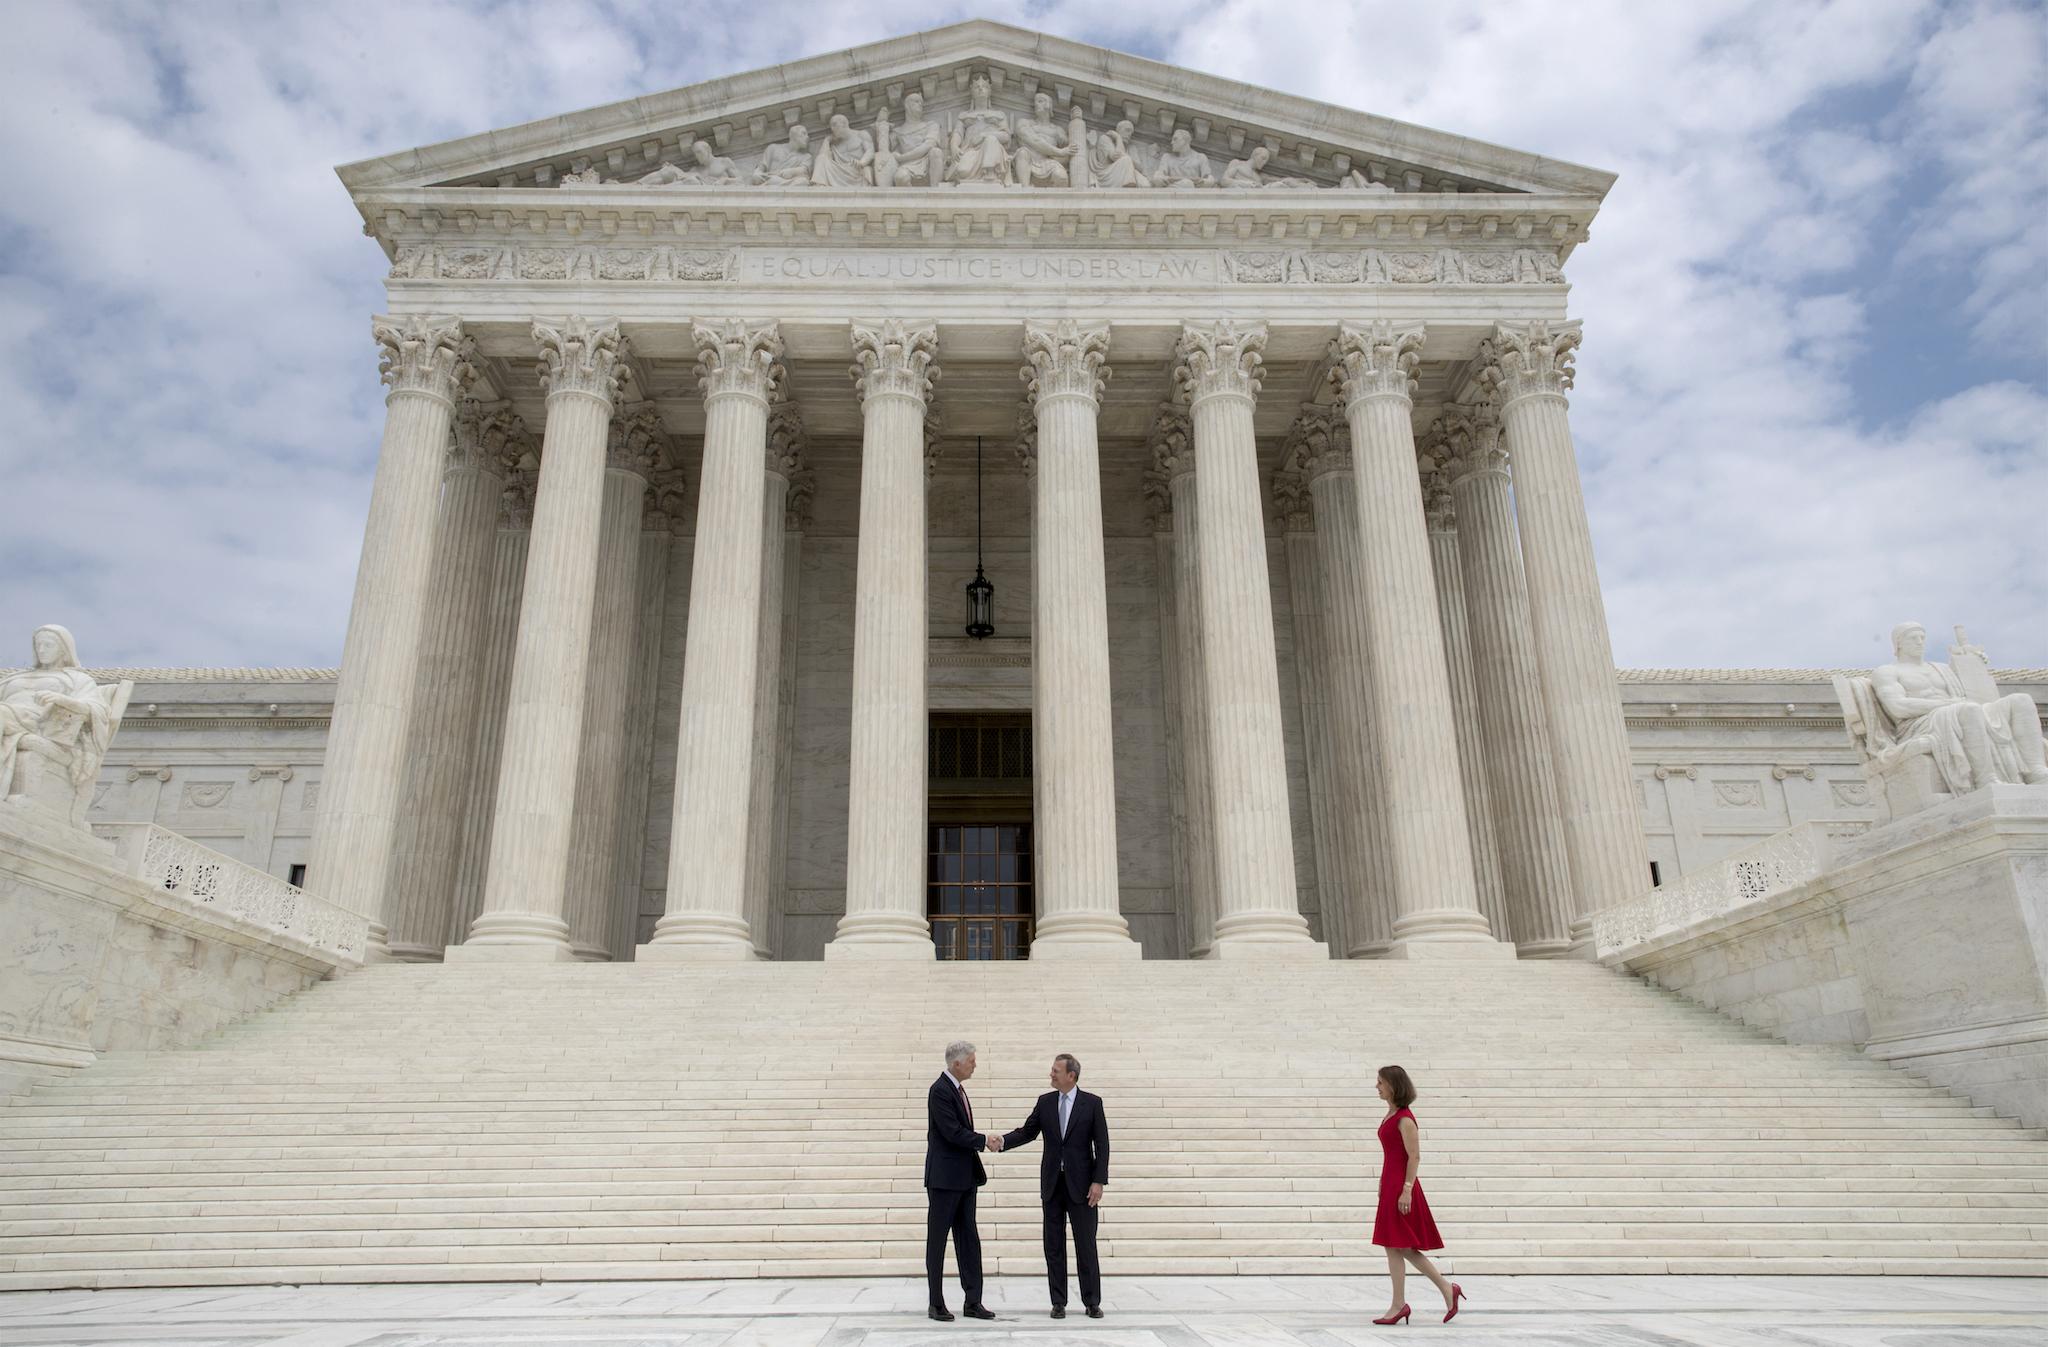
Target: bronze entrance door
978, 870
979, 894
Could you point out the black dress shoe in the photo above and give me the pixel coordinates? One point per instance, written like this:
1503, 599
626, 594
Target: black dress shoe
976, 1312
940, 1313
1095, 1311
1059, 1311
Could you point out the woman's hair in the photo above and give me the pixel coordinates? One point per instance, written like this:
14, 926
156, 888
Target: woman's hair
1404, 1088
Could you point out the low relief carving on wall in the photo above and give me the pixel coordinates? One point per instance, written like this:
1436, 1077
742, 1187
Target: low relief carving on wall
1739, 794
205, 794
1275, 266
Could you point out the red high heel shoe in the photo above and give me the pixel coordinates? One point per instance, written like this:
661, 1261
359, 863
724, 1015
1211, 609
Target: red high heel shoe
1457, 1294
1398, 1316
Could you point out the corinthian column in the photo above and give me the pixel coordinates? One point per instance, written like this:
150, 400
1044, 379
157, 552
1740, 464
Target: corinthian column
1450, 610
1075, 784
705, 917
1173, 460
489, 437
1257, 911
637, 441
1532, 368
1436, 903
581, 367
480, 802
1368, 879
1523, 783
423, 361
885, 918
785, 471
1326, 802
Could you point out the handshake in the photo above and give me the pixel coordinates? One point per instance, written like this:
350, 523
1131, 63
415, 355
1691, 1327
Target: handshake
995, 1142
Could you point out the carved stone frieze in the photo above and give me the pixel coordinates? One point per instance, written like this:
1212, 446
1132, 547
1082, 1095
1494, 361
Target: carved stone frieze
579, 356
970, 265
895, 359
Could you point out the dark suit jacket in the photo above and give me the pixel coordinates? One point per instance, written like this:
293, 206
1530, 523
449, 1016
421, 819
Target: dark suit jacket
1085, 1147
950, 1146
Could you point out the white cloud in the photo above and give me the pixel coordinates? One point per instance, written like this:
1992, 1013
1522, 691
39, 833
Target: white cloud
189, 393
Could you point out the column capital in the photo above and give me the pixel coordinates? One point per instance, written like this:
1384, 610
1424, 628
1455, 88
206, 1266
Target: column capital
895, 359
1531, 360
666, 506
638, 442
1026, 445
738, 358
1219, 359
420, 354
487, 436
1172, 441
1291, 494
786, 440
934, 439
1475, 443
1318, 443
1433, 454
1377, 360
515, 502
579, 356
1065, 358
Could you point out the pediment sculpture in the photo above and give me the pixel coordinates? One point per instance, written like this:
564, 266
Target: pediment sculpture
55, 725
1929, 732
980, 145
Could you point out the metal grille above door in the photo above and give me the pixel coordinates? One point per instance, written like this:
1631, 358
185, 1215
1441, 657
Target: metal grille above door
978, 747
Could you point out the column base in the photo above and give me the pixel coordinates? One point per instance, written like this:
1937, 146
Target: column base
377, 943
514, 937
1080, 948
1546, 949
699, 937
883, 935
1086, 935
1453, 951
1582, 941
1378, 949
404, 953
1246, 948
590, 953
697, 951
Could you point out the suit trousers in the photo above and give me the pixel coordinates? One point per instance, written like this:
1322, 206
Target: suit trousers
1061, 1208
952, 1210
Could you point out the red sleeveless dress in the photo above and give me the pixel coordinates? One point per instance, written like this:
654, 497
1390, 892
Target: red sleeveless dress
1390, 1229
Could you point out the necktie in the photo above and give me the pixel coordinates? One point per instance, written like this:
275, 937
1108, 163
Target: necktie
963, 1102
1066, 1111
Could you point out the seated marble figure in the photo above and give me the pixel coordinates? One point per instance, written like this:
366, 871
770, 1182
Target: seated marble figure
55, 726
1929, 732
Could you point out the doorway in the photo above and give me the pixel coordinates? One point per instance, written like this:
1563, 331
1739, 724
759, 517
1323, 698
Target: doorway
979, 872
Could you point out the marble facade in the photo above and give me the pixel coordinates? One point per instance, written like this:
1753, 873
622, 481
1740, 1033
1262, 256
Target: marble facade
670, 696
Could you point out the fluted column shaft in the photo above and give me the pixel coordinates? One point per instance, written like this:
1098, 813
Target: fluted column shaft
1472, 774
651, 604
442, 751
1568, 620
1333, 494
1193, 723
1328, 797
1257, 909
885, 843
524, 887
767, 715
1523, 785
705, 916
594, 859
1074, 772
480, 803
423, 363
1436, 902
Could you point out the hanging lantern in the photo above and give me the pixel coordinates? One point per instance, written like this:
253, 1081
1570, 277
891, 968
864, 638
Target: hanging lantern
981, 595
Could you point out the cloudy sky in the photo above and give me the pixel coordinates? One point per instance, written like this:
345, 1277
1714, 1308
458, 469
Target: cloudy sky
1813, 398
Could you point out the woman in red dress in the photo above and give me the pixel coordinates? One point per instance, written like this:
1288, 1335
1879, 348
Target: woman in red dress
1403, 1226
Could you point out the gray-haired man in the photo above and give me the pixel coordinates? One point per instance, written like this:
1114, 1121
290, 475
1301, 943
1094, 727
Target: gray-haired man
1071, 1177
952, 1172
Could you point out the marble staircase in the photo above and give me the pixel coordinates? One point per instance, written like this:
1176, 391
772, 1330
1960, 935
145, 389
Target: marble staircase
429, 1123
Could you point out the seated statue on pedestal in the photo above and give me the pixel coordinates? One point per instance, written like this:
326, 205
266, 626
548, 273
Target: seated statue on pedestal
55, 725
1930, 732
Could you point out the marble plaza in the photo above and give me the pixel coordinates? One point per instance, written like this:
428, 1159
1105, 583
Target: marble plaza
984, 535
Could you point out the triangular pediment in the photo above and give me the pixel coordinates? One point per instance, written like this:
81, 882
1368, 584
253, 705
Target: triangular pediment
1061, 86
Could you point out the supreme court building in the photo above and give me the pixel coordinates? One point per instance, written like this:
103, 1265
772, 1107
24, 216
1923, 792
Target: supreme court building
706, 407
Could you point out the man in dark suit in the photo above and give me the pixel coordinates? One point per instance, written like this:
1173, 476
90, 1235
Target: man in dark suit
1071, 1175
952, 1171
